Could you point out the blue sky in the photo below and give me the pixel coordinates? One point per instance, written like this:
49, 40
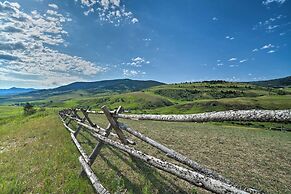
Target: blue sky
51, 43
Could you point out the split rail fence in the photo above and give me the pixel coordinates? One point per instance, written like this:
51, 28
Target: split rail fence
193, 173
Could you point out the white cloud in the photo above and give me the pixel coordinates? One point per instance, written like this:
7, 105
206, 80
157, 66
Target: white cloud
111, 11
132, 73
214, 18
220, 64
138, 62
54, 6
134, 20
25, 51
255, 50
270, 28
271, 51
229, 37
272, 24
147, 39
267, 46
243, 60
267, 2
232, 59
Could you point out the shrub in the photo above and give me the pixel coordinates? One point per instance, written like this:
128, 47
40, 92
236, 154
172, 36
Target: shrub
28, 109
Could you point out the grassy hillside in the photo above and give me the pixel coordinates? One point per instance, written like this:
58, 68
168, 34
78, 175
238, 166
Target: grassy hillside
281, 82
219, 96
241, 103
176, 98
188, 98
212, 90
80, 89
37, 156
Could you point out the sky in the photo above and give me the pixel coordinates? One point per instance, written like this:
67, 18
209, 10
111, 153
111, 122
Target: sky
49, 43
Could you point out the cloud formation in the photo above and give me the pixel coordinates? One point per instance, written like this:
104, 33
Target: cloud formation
25, 48
138, 62
232, 59
229, 37
274, 24
54, 6
267, 2
132, 73
267, 46
243, 60
271, 51
111, 11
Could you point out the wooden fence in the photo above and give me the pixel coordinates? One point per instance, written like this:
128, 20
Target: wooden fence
194, 173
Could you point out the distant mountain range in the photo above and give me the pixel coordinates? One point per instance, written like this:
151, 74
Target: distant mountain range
14, 91
101, 87
118, 85
80, 88
275, 83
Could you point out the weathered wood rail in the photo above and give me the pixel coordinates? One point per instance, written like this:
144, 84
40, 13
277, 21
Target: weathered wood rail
193, 173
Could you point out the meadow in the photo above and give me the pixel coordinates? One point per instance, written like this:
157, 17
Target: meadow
37, 156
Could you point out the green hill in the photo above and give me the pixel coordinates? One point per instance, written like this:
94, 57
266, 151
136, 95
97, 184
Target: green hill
276, 83
156, 97
211, 90
81, 89
38, 156
49, 161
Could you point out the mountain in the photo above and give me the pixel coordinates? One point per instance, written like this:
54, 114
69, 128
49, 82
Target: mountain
275, 83
14, 91
118, 85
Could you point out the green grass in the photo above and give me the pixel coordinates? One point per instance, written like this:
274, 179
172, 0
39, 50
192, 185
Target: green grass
177, 98
130, 101
37, 156
211, 90
242, 103
8, 111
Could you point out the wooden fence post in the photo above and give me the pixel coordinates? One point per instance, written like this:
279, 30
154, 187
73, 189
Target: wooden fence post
94, 180
114, 125
82, 121
87, 117
98, 147
76, 114
100, 144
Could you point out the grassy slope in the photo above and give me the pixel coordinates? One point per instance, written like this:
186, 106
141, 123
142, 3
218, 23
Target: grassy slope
183, 98
281, 82
180, 98
38, 156
206, 105
36, 153
79, 90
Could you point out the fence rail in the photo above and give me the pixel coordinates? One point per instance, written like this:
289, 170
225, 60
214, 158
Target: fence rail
194, 173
